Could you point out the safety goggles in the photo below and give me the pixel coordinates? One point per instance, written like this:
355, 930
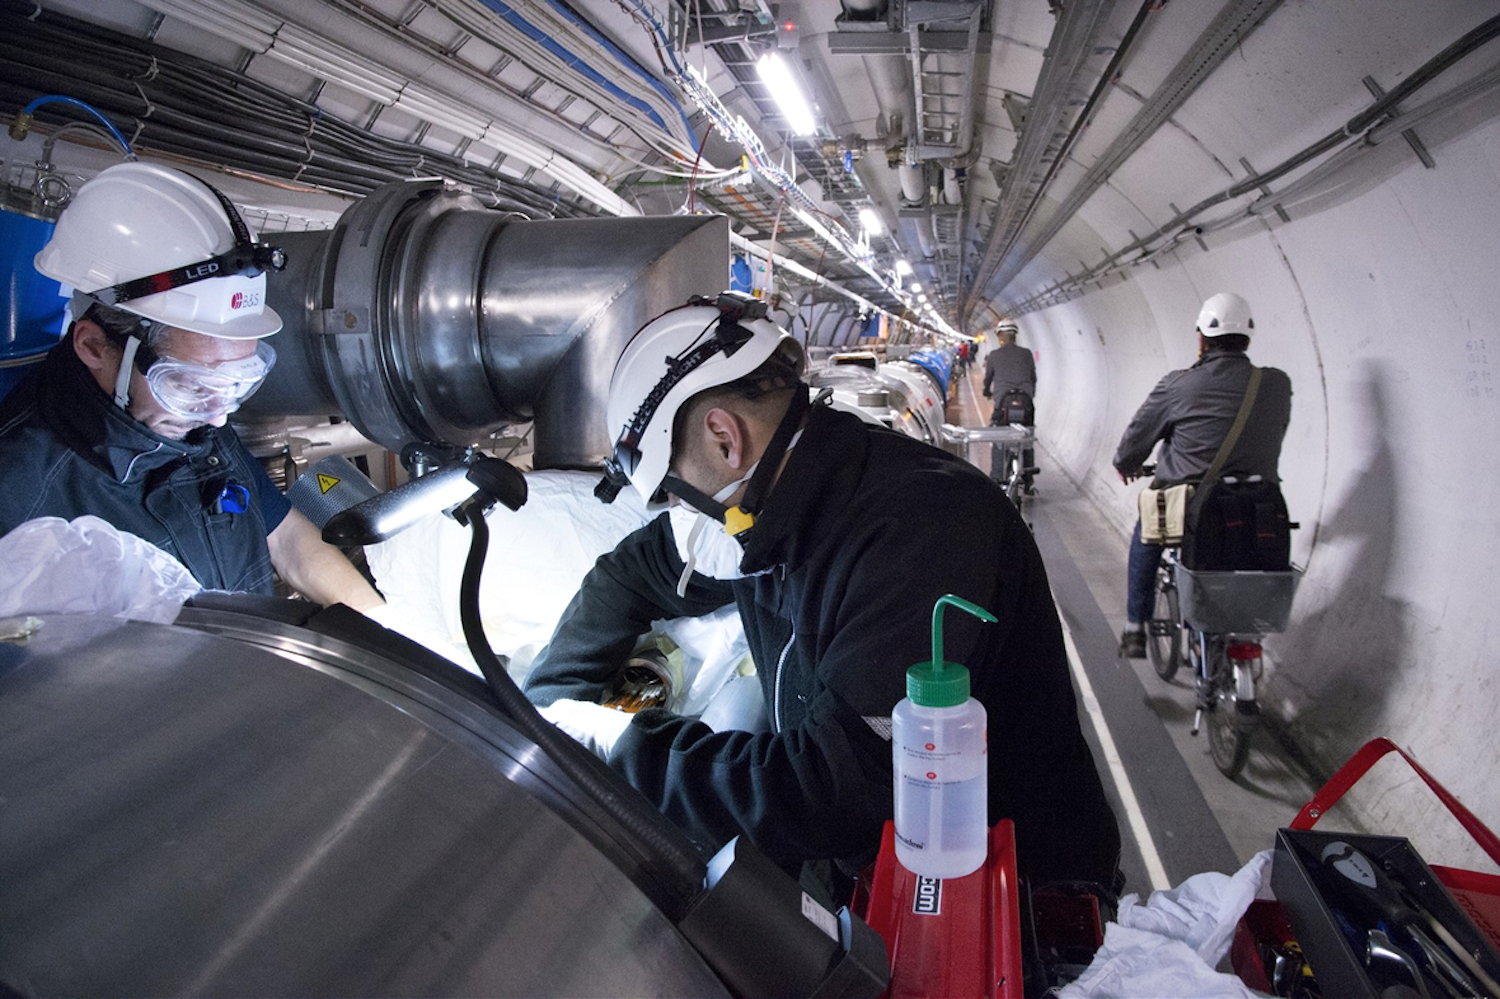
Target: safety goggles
203, 392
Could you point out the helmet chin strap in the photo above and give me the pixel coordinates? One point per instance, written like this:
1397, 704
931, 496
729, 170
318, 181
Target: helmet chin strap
738, 520
127, 365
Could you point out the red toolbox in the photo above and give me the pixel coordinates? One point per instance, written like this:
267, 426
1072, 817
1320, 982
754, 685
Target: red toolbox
1274, 936
959, 937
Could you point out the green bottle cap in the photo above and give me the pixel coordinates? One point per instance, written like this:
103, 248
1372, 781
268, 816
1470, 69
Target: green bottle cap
938, 683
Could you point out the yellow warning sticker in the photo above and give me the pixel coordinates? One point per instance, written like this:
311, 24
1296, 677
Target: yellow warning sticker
327, 482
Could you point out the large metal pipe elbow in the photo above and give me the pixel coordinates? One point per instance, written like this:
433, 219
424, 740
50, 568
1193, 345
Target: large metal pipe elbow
423, 316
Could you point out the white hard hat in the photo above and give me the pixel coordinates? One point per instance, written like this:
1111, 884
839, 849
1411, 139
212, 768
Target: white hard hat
671, 359
164, 245
1006, 326
1225, 313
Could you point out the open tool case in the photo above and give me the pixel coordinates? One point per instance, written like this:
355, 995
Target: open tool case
1368, 914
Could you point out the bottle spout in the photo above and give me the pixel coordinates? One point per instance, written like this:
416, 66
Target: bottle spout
937, 625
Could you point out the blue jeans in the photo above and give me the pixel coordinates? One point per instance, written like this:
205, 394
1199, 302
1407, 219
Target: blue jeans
1141, 571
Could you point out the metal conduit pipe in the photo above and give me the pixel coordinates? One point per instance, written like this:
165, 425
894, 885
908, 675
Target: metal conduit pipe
890, 81
922, 227
952, 193
423, 316
913, 183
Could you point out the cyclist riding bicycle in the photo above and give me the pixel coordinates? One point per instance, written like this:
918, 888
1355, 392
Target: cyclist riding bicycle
1191, 412
1010, 379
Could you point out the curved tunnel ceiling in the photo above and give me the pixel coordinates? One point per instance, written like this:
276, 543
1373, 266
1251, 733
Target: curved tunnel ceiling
1093, 169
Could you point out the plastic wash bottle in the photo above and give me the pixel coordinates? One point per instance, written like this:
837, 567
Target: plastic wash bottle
938, 734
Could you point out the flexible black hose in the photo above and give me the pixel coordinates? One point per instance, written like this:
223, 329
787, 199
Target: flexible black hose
669, 860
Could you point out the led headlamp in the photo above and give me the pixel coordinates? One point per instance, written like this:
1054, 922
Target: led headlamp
245, 258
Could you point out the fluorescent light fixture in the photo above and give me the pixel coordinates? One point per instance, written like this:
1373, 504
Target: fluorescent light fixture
871, 221
916, 286
922, 298
904, 269
785, 91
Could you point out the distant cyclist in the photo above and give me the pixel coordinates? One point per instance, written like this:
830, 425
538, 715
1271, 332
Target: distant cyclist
1191, 411
1010, 379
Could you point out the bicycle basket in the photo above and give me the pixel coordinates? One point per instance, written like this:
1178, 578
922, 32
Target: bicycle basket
1245, 602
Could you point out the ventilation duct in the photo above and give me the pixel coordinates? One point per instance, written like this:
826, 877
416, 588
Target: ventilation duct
425, 317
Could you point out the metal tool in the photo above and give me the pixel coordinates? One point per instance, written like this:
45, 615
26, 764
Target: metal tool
1381, 953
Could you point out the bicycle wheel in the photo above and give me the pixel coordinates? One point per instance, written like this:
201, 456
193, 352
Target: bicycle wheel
1228, 739
1164, 632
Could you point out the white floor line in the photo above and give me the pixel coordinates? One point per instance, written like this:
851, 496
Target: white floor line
1154, 869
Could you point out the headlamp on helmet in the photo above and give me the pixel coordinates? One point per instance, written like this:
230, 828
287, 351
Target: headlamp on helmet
707, 343
167, 246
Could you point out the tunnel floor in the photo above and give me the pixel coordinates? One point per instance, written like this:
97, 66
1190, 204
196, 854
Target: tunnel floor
1178, 815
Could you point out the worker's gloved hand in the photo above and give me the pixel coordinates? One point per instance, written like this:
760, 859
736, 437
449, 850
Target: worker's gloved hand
596, 727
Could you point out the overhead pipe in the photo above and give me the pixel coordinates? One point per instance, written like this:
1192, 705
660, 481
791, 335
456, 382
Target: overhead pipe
913, 183
1232, 25
424, 317
952, 192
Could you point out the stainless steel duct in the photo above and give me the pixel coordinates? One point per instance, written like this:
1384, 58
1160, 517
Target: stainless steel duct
425, 316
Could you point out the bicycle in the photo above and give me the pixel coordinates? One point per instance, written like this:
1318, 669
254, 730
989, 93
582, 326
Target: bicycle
1217, 619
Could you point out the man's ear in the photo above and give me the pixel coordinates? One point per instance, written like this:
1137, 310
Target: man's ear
94, 349
97, 353
728, 436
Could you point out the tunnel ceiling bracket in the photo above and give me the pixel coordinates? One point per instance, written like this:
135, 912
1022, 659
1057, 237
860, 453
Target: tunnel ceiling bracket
1263, 188
1409, 134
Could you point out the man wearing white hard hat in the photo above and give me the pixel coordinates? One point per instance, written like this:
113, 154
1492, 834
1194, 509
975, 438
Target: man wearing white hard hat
1010, 379
1192, 411
126, 417
833, 538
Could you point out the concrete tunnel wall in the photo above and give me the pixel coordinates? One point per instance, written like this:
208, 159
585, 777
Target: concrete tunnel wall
1382, 306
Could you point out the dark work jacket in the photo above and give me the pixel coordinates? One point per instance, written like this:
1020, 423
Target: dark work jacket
67, 450
1191, 412
862, 533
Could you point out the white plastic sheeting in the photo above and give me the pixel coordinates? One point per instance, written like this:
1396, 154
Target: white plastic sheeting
537, 558
86, 566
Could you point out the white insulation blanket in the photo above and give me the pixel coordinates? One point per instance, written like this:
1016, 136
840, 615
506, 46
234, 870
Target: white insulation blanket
537, 558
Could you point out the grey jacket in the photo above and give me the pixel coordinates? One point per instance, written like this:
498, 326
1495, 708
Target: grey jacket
1009, 369
1191, 412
